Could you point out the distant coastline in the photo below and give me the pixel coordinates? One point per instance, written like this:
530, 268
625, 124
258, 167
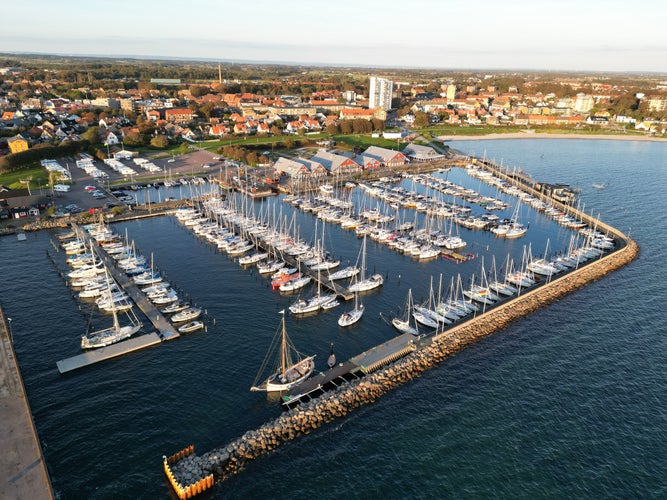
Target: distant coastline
543, 135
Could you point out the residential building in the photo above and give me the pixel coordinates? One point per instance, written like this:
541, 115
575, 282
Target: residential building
17, 144
657, 103
352, 113
584, 103
380, 93
179, 115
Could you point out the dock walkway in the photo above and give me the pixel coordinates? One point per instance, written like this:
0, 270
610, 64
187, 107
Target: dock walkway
111, 351
356, 367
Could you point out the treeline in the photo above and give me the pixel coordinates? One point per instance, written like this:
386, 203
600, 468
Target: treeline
356, 126
243, 155
24, 159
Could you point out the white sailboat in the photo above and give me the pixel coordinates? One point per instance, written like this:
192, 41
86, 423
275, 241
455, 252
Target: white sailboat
316, 303
351, 317
404, 325
113, 334
364, 284
288, 372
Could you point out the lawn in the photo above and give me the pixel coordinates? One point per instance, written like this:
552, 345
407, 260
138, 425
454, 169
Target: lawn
363, 141
39, 177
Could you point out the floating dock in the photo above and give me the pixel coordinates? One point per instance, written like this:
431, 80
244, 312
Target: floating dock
114, 350
339, 290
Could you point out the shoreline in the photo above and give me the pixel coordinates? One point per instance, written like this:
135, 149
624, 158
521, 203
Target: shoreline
546, 135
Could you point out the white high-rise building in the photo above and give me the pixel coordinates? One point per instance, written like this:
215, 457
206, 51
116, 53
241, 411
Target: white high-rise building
380, 93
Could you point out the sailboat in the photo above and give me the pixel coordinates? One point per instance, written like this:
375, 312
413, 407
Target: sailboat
288, 373
317, 302
113, 334
351, 317
364, 284
403, 325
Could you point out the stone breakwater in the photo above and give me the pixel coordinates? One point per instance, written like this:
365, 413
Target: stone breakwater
228, 460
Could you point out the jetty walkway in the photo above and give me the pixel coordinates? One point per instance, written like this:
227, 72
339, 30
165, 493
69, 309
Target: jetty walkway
22, 470
190, 474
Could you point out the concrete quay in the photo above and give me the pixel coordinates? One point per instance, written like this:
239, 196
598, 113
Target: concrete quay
23, 472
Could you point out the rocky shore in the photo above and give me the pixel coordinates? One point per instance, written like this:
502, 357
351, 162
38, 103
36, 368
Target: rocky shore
229, 459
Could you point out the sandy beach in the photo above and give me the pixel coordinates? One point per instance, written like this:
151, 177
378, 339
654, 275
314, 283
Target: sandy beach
542, 135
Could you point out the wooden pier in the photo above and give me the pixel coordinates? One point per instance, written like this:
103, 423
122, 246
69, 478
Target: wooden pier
165, 329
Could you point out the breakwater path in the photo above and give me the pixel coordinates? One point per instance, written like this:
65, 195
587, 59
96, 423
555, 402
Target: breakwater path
190, 473
22, 470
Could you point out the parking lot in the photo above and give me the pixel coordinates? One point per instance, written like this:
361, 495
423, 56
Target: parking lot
82, 197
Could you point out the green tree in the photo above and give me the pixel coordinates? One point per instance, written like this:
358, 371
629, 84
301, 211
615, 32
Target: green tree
134, 139
345, 126
421, 119
198, 90
332, 129
378, 124
92, 135
160, 142
251, 158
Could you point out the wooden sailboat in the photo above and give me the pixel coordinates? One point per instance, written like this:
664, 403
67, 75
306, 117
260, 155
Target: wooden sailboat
289, 372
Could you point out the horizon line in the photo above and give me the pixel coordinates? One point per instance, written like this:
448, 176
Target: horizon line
321, 64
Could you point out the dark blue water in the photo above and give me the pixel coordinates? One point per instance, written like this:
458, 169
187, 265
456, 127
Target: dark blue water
571, 401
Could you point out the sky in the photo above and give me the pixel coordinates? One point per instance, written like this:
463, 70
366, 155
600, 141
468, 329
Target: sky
564, 35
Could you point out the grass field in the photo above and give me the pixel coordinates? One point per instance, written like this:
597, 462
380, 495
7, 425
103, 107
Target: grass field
37, 175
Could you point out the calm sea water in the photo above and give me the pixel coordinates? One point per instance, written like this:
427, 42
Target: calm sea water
571, 401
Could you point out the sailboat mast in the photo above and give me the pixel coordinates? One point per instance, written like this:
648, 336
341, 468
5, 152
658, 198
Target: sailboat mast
283, 356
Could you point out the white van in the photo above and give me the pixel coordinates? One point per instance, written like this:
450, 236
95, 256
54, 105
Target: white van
62, 188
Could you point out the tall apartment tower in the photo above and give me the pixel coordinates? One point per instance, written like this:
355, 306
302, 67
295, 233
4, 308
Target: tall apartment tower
380, 93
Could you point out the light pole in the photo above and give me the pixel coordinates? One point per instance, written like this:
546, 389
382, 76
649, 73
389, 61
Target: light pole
11, 335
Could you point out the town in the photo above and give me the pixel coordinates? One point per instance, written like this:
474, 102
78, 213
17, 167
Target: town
87, 109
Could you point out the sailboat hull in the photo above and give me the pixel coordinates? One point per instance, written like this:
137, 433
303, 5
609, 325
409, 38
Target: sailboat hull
351, 317
293, 376
108, 336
